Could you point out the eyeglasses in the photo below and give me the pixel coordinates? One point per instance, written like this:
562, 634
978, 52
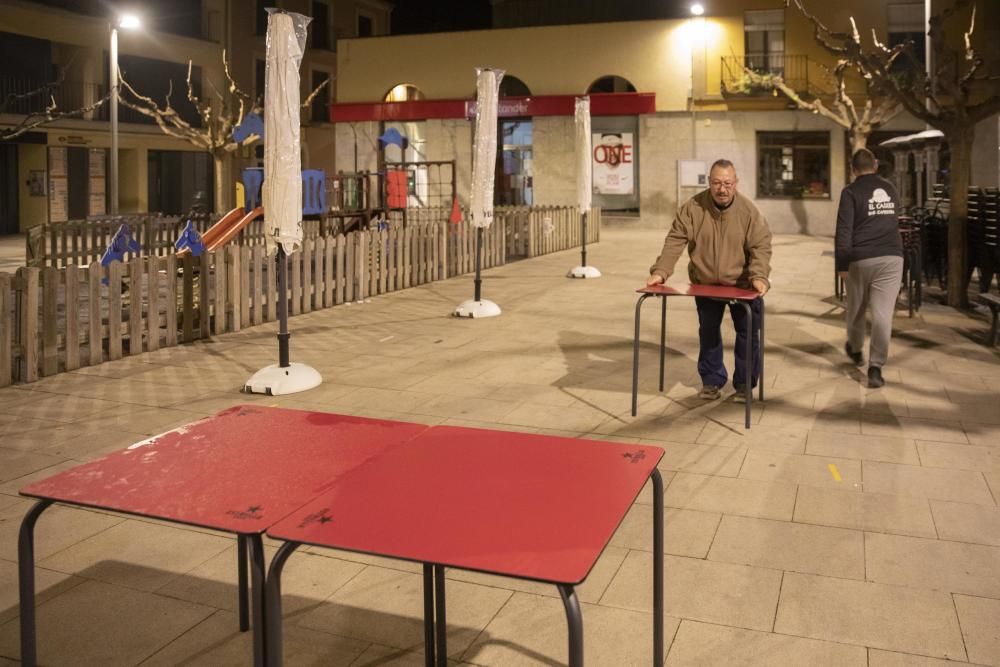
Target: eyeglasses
723, 184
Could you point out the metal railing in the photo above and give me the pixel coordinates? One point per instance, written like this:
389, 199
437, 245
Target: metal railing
25, 96
793, 70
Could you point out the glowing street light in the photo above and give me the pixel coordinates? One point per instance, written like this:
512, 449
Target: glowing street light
126, 22
697, 9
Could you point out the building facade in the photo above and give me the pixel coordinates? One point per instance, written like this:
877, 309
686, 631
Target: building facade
59, 170
696, 105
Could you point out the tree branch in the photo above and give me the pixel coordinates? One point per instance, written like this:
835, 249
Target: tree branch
50, 114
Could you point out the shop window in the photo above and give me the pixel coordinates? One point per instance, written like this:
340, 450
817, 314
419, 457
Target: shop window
611, 84
793, 165
514, 167
403, 92
511, 86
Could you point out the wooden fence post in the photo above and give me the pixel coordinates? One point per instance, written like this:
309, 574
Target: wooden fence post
72, 310
219, 322
258, 284
307, 271
341, 268
153, 299
244, 306
6, 325
135, 306
115, 311
50, 323
171, 298
95, 318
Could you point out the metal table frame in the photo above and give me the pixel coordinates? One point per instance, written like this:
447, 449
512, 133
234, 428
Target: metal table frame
435, 613
663, 295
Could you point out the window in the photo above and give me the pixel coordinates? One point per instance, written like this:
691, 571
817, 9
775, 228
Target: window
259, 77
793, 165
514, 175
511, 86
611, 84
764, 40
906, 22
319, 28
366, 25
403, 92
320, 112
261, 16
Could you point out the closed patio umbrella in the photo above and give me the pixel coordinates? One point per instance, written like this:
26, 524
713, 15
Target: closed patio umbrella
584, 184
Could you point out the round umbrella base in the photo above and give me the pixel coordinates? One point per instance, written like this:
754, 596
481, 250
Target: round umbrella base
584, 272
476, 309
276, 381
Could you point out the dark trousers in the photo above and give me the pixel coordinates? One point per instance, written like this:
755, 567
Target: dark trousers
710, 364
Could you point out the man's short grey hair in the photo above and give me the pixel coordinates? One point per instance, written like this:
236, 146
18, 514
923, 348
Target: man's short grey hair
722, 163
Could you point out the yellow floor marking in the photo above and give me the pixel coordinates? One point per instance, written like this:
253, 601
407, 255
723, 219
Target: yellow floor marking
834, 472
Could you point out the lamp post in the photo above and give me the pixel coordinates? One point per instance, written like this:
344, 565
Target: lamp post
127, 22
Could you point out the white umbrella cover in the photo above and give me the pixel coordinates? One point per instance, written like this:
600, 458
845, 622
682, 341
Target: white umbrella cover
584, 172
282, 196
485, 155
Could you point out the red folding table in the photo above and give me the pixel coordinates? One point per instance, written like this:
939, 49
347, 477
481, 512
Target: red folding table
513, 504
730, 295
238, 472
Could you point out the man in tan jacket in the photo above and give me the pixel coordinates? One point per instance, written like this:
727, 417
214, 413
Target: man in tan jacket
728, 243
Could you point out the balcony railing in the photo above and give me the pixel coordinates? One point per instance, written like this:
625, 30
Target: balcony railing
26, 96
793, 70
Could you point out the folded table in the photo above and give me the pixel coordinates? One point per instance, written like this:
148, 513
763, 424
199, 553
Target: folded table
726, 294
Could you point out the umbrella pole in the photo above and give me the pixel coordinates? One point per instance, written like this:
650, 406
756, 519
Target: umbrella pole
479, 252
283, 334
583, 239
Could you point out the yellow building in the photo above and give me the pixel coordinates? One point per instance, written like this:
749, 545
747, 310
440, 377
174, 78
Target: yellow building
59, 170
697, 105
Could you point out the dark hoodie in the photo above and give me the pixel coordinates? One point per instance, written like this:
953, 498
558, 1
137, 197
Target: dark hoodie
867, 221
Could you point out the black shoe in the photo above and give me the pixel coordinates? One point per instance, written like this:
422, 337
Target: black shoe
856, 357
741, 393
875, 377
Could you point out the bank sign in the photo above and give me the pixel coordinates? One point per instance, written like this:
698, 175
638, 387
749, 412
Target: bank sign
614, 167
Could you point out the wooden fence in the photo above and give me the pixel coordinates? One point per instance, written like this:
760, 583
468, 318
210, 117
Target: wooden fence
59, 319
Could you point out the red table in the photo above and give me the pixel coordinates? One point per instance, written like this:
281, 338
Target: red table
730, 295
513, 504
239, 472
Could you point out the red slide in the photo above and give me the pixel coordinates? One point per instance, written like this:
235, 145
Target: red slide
226, 229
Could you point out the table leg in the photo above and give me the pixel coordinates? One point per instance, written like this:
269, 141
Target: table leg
258, 596
440, 620
242, 550
760, 343
663, 336
635, 355
26, 582
657, 567
748, 380
574, 622
273, 601
428, 615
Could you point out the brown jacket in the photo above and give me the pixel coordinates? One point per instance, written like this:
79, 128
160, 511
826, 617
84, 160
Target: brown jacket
730, 247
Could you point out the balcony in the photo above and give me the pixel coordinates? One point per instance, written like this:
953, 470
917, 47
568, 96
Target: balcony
793, 69
26, 96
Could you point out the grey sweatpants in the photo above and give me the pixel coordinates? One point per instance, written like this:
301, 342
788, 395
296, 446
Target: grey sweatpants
873, 282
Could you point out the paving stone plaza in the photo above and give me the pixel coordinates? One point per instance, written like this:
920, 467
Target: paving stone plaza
848, 527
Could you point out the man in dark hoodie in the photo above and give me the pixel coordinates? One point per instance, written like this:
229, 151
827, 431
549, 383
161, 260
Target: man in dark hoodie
869, 256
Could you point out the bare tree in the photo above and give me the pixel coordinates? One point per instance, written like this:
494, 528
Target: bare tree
219, 114
952, 98
47, 114
842, 110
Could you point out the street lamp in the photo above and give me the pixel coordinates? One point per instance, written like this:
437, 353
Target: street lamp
697, 9
126, 22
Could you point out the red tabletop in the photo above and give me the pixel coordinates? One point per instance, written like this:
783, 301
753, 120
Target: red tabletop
238, 471
709, 291
517, 504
